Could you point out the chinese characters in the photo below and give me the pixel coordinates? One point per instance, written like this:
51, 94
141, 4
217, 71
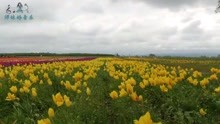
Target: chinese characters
20, 12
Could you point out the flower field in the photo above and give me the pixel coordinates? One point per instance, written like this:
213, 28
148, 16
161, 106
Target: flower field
38, 60
110, 91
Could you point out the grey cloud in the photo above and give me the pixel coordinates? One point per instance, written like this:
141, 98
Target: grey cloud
46, 10
166, 33
93, 7
179, 3
193, 27
187, 19
194, 33
107, 27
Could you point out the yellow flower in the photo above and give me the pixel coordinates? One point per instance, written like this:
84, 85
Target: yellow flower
67, 101
163, 88
11, 97
122, 93
142, 85
2, 74
84, 84
116, 77
134, 96
140, 98
34, 78
217, 89
131, 81
21, 90
27, 83
41, 82
26, 89
50, 112
204, 82
78, 76
213, 77
197, 74
214, 70
13, 89
169, 86
145, 119
46, 75
88, 91
122, 85
34, 92
79, 91
129, 88
44, 121
78, 84
58, 99
114, 95
202, 112
195, 82
86, 77
67, 85
61, 82
49, 82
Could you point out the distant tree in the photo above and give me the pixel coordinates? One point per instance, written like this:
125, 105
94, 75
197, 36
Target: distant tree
218, 7
117, 55
152, 55
203, 56
218, 56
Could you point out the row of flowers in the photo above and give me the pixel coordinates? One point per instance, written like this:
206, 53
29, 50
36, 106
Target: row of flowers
23, 61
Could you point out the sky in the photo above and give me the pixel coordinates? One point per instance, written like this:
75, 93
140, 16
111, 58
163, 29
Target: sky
126, 27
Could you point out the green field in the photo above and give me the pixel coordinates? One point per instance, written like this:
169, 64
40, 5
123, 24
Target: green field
112, 91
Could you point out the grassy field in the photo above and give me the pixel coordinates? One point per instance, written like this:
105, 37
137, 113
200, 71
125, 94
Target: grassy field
112, 91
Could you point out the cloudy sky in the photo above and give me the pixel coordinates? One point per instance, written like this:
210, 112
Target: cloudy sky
127, 27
